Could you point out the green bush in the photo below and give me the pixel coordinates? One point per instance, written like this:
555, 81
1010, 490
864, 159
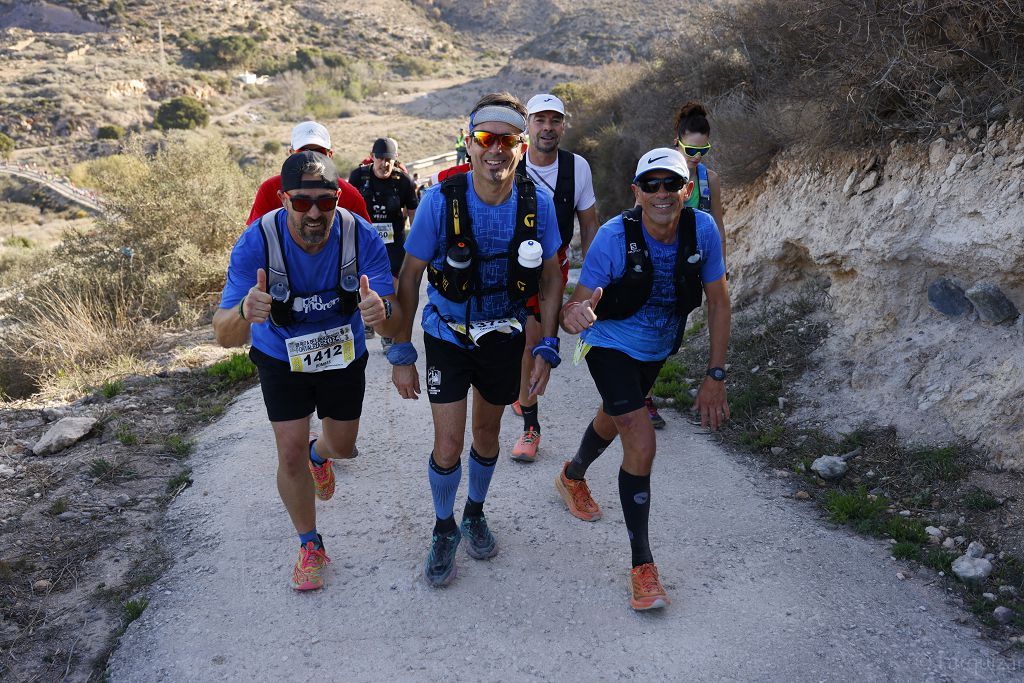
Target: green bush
233, 369
111, 132
410, 66
182, 112
6, 146
218, 52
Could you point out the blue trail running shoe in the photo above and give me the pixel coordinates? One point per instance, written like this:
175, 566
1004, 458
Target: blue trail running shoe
480, 543
440, 567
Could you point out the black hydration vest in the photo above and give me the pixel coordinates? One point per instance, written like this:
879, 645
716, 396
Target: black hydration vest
564, 193
282, 297
462, 285
390, 199
627, 295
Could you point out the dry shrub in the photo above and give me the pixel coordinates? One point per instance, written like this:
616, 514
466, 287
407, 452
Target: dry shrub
777, 72
155, 259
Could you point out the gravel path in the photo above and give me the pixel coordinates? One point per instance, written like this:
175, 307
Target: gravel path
762, 589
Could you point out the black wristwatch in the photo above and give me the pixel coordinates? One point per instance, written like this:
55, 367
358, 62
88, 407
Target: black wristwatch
717, 374
387, 309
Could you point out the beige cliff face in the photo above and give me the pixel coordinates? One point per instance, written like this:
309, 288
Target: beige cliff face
875, 232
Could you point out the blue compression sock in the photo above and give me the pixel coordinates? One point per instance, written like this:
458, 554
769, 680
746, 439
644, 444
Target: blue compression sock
444, 484
481, 470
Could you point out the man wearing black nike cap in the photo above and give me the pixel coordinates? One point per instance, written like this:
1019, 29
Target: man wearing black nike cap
645, 271
303, 280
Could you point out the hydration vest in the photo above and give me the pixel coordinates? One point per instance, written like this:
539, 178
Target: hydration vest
282, 297
390, 199
564, 193
627, 295
463, 285
704, 198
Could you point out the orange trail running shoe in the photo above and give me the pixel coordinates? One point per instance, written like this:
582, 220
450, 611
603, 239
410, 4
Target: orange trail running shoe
652, 412
576, 495
646, 591
306, 575
323, 477
525, 449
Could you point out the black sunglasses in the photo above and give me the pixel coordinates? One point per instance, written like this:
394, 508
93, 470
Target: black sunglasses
302, 203
671, 184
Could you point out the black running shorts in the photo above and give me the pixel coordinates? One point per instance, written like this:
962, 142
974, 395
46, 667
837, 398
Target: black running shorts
622, 380
337, 394
493, 369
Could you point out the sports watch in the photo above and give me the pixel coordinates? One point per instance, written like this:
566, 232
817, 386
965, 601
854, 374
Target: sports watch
387, 309
717, 374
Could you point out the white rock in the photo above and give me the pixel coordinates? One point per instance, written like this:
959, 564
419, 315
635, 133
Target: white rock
63, 434
933, 531
122, 499
869, 183
901, 199
829, 467
67, 516
976, 549
991, 597
1002, 614
904, 513
974, 161
937, 152
948, 543
901, 576
851, 180
6, 471
955, 164
778, 450
971, 569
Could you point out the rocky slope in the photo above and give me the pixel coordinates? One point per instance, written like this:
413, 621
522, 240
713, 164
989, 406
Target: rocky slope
894, 238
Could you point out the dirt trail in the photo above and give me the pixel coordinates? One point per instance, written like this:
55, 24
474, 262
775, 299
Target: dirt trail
761, 588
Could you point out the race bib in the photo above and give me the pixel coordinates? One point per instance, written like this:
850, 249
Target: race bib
386, 232
582, 348
328, 350
479, 328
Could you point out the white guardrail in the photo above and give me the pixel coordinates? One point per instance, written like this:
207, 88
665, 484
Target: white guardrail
58, 184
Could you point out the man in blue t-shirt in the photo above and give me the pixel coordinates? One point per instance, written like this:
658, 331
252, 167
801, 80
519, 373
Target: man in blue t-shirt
473, 321
626, 341
307, 332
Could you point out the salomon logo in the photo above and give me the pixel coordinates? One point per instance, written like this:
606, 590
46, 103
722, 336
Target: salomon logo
640, 498
633, 248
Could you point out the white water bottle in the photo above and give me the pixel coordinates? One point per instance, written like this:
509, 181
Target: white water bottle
531, 254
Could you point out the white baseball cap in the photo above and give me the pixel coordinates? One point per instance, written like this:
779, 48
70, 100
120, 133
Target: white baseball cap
544, 102
662, 159
310, 133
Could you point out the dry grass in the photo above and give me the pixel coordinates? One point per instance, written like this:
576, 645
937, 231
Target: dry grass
778, 72
154, 261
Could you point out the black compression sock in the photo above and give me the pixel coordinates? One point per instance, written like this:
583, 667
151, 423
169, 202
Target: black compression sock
530, 417
473, 509
445, 526
635, 496
591, 447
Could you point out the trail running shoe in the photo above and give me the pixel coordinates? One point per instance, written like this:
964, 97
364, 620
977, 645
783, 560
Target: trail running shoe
480, 543
646, 591
525, 449
657, 420
440, 567
386, 343
323, 477
517, 409
306, 575
576, 495
368, 332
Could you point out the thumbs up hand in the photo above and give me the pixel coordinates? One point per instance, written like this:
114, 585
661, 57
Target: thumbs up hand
579, 315
256, 304
371, 306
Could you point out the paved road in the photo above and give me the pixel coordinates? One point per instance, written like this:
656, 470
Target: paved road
762, 589
82, 197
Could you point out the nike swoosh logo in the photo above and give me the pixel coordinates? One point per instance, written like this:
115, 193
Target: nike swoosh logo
651, 161
548, 99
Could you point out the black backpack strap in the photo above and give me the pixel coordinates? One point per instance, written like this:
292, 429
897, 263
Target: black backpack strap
627, 295
457, 222
565, 195
526, 209
688, 285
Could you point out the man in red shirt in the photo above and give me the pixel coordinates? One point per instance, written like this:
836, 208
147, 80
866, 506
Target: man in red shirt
312, 136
